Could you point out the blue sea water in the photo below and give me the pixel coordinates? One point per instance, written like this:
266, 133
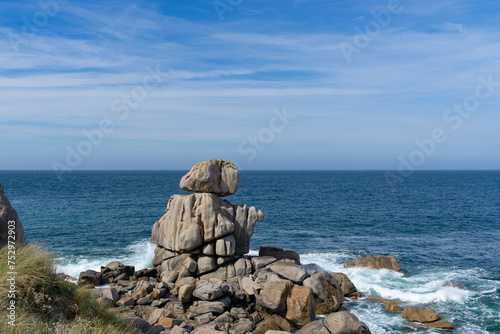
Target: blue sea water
443, 226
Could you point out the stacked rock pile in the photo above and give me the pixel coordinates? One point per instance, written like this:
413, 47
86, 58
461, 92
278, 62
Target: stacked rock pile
203, 281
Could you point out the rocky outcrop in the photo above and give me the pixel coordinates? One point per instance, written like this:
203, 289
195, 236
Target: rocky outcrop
376, 262
425, 317
203, 281
390, 305
11, 228
201, 233
336, 323
213, 176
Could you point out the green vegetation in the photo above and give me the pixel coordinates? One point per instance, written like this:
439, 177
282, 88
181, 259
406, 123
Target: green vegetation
45, 302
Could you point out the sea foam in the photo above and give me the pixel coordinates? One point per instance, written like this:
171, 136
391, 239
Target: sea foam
139, 254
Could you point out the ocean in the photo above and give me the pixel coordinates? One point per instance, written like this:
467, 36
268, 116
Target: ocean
442, 226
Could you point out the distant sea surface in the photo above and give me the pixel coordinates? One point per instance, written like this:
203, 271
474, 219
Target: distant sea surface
441, 226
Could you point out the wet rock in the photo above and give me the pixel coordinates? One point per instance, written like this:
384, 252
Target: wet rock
90, 277
375, 262
327, 291
419, 314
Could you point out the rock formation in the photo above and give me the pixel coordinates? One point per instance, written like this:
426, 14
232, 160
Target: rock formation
376, 262
201, 232
202, 281
9, 221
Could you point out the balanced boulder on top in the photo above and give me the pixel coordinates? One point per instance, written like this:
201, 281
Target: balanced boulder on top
212, 176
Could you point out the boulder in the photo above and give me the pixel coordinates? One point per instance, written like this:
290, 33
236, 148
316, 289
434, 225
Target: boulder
425, 317
9, 221
243, 267
279, 253
212, 176
273, 297
185, 293
336, 323
376, 262
244, 224
274, 322
206, 264
301, 307
262, 261
218, 306
125, 301
289, 270
242, 326
390, 305
249, 285
168, 322
225, 246
209, 290
90, 277
419, 314
346, 285
111, 293
327, 291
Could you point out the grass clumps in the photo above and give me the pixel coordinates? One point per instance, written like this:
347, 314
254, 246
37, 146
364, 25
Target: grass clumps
46, 303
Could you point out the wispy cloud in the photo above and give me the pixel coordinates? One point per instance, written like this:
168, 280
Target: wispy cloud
221, 80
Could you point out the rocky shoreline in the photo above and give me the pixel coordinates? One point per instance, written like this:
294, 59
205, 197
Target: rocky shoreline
202, 281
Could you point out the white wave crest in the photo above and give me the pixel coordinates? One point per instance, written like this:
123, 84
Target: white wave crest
139, 254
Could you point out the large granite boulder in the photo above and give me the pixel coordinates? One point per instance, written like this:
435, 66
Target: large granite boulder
9, 221
376, 262
336, 323
301, 307
327, 290
427, 317
212, 176
192, 221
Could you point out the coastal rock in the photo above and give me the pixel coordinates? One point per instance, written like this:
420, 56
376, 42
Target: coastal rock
346, 285
242, 326
262, 261
90, 277
376, 262
244, 224
390, 305
327, 291
274, 295
9, 221
206, 264
209, 291
225, 246
192, 221
336, 323
289, 270
301, 308
274, 322
279, 253
419, 314
425, 317
212, 176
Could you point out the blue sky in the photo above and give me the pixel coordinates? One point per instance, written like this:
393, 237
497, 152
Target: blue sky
173, 83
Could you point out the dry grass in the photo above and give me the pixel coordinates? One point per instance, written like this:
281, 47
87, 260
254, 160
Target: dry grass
46, 303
